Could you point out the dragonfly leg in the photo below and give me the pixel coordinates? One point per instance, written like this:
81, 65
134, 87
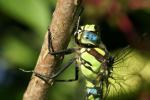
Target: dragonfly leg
75, 78
60, 52
47, 78
63, 52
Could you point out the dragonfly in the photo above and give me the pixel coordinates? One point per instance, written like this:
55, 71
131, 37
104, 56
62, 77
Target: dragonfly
91, 59
106, 76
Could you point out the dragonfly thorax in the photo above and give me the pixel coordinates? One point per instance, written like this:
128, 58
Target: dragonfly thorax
93, 62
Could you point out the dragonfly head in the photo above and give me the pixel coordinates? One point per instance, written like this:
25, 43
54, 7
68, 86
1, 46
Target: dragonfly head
87, 36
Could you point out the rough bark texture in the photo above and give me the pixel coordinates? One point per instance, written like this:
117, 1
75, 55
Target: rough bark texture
60, 28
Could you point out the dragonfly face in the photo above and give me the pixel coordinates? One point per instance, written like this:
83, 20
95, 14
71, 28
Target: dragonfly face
87, 36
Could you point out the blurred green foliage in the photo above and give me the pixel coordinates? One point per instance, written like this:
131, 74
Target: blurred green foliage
33, 14
22, 27
14, 50
23, 24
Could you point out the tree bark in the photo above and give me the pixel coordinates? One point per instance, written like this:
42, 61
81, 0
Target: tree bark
61, 28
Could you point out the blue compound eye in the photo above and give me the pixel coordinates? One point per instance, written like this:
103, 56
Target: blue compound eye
91, 36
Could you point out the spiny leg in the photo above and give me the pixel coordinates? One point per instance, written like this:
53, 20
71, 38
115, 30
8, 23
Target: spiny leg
78, 13
36, 74
61, 52
45, 77
64, 52
77, 26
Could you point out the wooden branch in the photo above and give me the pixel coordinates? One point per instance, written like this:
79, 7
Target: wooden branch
61, 28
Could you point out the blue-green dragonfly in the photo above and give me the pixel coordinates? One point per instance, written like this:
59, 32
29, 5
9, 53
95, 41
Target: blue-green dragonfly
107, 77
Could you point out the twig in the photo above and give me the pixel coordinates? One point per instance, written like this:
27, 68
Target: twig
64, 18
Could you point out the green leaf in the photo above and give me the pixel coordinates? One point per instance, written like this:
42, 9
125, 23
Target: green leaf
33, 13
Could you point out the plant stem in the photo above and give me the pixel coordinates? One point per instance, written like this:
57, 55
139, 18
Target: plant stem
63, 21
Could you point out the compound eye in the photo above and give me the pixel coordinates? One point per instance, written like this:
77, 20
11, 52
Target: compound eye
86, 35
94, 38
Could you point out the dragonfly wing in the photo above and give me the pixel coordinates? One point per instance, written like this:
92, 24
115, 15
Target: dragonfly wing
125, 79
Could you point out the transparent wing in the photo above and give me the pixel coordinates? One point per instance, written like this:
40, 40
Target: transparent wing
125, 79
121, 55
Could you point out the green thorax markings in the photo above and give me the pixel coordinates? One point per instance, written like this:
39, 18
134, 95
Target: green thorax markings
91, 62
